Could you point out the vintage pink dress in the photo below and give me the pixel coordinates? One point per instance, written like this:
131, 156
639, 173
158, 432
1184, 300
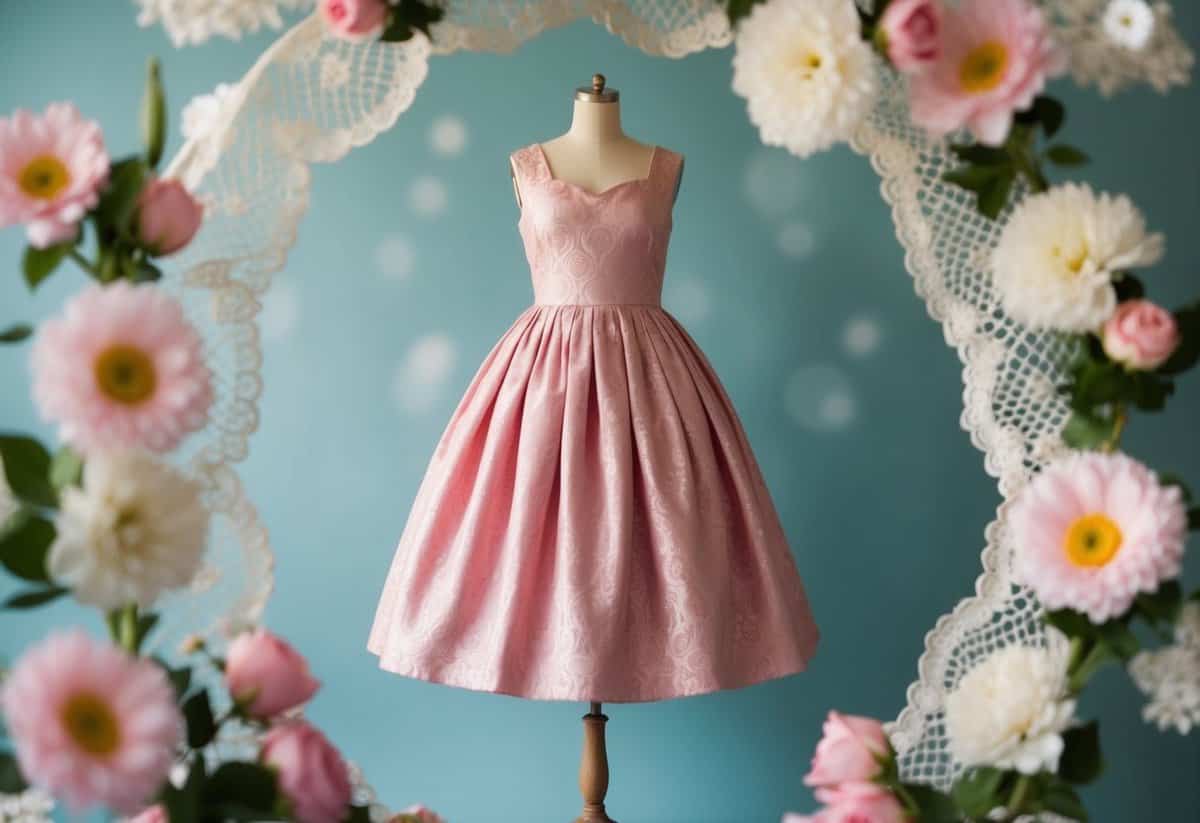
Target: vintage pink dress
593, 524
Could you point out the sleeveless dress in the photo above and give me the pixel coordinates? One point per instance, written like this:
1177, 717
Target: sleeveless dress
593, 525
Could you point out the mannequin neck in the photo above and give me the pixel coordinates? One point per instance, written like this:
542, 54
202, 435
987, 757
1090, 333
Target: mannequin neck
596, 122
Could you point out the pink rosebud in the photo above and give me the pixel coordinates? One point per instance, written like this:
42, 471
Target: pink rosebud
859, 803
312, 774
910, 30
168, 217
354, 19
1140, 335
418, 814
850, 749
154, 814
265, 670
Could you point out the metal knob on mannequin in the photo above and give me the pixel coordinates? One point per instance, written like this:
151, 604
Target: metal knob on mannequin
593, 769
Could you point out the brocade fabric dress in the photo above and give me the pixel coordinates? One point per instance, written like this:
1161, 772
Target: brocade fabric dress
593, 525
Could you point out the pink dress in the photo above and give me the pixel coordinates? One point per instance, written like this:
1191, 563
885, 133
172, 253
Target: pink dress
593, 525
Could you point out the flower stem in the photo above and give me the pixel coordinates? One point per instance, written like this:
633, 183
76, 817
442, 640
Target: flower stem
83, 262
1017, 799
1120, 418
126, 628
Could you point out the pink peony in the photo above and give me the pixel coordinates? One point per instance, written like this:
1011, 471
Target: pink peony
122, 367
1093, 530
354, 19
312, 775
910, 30
1140, 335
855, 803
418, 814
995, 57
91, 724
850, 750
52, 169
168, 217
267, 671
154, 814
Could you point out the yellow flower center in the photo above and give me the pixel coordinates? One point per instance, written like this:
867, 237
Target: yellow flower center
44, 177
1074, 260
984, 67
807, 64
91, 724
1092, 540
125, 374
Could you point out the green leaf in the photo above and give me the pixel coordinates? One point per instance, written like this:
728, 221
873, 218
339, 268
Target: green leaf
1128, 287
183, 803
15, 334
145, 624
1085, 432
1148, 391
935, 807
1119, 638
1194, 518
245, 785
994, 197
27, 469
1081, 761
33, 598
1188, 352
181, 678
978, 791
119, 200
1047, 112
978, 155
38, 264
1063, 800
973, 178
201, 725
737, 9
407, 17
361, 814
66, 469
145, 272
1070, 622
154, 115
1066, 156
1163, 605
11, 780
24, 543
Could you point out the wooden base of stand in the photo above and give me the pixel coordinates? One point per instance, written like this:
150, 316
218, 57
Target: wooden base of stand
593, 769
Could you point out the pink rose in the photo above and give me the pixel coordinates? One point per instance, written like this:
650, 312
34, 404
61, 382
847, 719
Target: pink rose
154, 814
168, 217
858, 803
850, 749
1140, 335
418, 814
312, 774
910, 30
354, 19
265, 670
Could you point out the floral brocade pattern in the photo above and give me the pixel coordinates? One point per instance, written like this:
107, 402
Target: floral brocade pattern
593, 524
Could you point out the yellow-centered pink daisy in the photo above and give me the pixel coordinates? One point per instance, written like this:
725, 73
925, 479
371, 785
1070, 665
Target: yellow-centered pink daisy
92, 725
122, 367
52, 168
1094, 530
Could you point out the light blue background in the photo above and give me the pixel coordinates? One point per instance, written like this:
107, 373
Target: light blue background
882, 495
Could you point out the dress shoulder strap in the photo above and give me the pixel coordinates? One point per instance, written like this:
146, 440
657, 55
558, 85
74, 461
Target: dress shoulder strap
528, 167
666, 171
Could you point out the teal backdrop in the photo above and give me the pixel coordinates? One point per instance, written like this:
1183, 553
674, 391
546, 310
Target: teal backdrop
787, 272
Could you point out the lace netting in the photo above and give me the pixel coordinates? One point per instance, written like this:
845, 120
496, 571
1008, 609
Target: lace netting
312, 98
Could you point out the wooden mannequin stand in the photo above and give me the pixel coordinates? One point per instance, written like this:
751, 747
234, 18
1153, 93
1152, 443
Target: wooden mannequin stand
593, 769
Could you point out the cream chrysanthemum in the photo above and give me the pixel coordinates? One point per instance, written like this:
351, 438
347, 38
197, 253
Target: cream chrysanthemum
1170, 677
1011, 709
192, 22
1054, 264
136, 529
807, 75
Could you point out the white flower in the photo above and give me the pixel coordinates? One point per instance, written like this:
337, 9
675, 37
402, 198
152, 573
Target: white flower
1054, 264
1129, 23
136, 529
1011, 709
191, 22
1187, 627
808, 76
206, 113
31, 806
1170, 677
8, 503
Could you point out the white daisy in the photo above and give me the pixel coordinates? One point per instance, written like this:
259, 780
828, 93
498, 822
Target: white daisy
1170, 677
808, 76
1129, 23
1011, 710
137, 528
1054, 264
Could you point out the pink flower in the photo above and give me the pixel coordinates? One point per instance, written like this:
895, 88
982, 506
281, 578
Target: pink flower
154, 814
52, 169
168, 217
418, 814
910, 31
1093, 530
266, 670
1141, 335
995, 57
122, 367
850, 749
855, 803
91, 724
312, 775
354, 19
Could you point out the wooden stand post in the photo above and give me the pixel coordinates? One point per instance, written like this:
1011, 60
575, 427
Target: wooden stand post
593, 769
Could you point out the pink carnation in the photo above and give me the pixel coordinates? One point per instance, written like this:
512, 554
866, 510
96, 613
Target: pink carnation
1094, 530
52, 169
995, 57
1140, 335
312, 774
354, 19
855, 803
91, 724
850, 749
122, 367
911, 32
267, 671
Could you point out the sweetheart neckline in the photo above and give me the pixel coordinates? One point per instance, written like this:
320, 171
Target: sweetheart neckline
632, 181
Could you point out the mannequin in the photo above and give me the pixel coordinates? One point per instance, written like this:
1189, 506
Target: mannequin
595, 154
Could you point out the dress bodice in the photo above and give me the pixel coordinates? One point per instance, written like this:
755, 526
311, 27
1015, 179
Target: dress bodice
588, 248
